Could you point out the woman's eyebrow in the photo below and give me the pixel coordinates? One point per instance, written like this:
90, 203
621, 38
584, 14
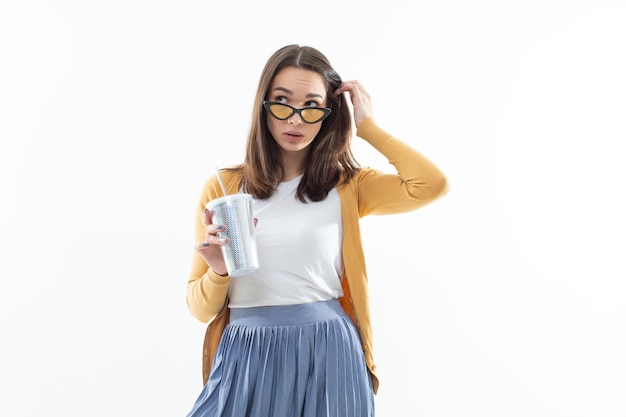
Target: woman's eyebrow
288, 91
283, 89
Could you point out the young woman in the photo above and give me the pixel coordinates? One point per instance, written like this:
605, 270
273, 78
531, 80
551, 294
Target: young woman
294, 339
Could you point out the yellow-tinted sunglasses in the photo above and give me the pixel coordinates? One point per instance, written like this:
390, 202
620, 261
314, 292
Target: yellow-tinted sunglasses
308, 114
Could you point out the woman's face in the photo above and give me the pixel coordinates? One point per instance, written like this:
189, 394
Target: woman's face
298, 88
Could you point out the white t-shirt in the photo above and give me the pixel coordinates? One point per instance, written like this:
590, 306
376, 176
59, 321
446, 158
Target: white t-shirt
299, 248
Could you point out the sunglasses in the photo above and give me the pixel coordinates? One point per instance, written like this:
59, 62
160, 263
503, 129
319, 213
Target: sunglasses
308, 114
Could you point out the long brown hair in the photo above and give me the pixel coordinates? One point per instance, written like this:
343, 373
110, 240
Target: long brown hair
329, 158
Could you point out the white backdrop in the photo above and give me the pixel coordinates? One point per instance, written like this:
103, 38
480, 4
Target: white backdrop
505, 298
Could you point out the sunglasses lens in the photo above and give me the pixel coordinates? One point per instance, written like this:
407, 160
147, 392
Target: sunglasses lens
280, 111
312, 115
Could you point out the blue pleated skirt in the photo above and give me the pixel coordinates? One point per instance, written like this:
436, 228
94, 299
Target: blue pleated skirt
300, 360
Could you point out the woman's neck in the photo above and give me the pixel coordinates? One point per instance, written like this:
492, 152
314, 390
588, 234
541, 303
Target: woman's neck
293, 165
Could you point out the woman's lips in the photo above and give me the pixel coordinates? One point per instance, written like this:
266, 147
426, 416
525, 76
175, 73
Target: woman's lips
293, 136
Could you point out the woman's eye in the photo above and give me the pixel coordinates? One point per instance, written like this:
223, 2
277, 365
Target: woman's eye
280, 99
311, 104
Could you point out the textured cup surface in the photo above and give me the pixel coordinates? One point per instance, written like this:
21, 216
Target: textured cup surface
234, 211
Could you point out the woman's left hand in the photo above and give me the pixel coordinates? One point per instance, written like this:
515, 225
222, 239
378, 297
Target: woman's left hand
360, 100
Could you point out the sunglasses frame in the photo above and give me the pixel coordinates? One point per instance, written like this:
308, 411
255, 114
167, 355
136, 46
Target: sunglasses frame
268, 104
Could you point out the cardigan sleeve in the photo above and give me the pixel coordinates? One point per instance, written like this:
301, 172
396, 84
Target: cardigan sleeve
206, 290
418, 181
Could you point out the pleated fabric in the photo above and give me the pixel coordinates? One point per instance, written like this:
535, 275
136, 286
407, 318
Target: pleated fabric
300, 360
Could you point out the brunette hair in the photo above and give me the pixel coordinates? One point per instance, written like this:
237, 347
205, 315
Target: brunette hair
329, 160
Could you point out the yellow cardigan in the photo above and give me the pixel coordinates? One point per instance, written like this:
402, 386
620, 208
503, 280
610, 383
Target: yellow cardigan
417, 183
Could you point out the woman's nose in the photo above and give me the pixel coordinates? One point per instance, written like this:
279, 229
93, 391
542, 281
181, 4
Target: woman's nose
295, 119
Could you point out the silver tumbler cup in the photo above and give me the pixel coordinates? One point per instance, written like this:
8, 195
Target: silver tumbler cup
234, 211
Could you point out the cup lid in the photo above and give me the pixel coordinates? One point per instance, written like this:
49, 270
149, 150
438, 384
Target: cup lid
228, 197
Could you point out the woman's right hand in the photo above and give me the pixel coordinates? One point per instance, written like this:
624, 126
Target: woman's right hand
211, 248
360, 98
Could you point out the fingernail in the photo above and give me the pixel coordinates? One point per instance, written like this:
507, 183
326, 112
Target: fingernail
205, 244
220, 227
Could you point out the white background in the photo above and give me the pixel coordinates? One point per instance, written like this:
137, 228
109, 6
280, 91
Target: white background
505, 298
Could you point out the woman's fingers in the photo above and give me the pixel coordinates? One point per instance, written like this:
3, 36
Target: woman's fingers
212, 234
207, 217
360, 99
